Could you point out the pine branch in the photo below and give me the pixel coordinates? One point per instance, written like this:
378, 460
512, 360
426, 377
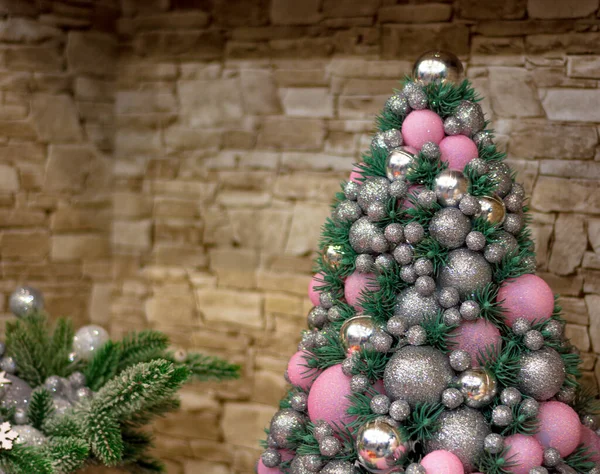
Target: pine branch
586, 401
142, 346
360, 407
136, 443
161, 408
61, 344
521, 423
445, 97
333, 278
504, 365
379, 304
479, 185
25, 460
490, 308
373, 163
431, 249
439, 335
63, 426
513, 265
387, 120
490, 153
423, 421
40, 408
148, 465
580, 459
205, 368
325, 356
102, 431
103, 366
68, 454
424, 171
338, 234
496, 463
371, 364
420, 214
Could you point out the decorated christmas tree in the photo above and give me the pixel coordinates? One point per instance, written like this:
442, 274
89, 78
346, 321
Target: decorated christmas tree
71, 399
432, 346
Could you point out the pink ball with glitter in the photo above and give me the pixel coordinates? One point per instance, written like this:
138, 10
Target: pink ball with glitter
559, 427
591, 441
286, 455
422, 126
299, 374
355, 284
356, 174
314, 294
442, 462
474, 337
525, 451
527, 296
457, 151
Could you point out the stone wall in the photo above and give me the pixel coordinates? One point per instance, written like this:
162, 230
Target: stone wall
182, 186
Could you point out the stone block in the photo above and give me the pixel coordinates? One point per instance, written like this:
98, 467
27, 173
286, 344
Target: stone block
210, 103
272, 225
132, 236
79, 247
548, 9
182, 423
594, 233
241, 12
9, 179
579, 336
591, 281
538, 140
25, 244
100, 303
243, 424
196, 44
235, 267
593, 305
283, 304
362, 87
307, 102
25, 30
428, 13
176, 208
291, 133
131, 205
68, 167
191, 466
497, 51
172, 304
74, 219
179, 255
583, 66
360, 107
591, 260
33, 58
305, 230
569, 244
301, 48
174, 20
286, 12
349, 8
227, 306
566, 286
409, 41
15, 81
90, 52
492, 10
287, 282
570, 43
542, 229
55, 118
260, 92
145, 102
568, 195
129, 141
268, 387
513, 93
572, 105
571, 169
574, 310
306, 186
314, 161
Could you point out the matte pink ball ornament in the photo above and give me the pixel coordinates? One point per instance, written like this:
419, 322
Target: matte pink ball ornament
527, 296
422, 126
591, 441
559, 427
457, 151
442, 462
525, 451
355, 284
299, 374
313, 293
475, 337
356, 174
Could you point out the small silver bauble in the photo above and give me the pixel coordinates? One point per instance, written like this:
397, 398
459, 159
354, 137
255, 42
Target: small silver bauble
88, 340
351, 189
317, 317
453, 126
416, 335
415, 468
376, 211
347, 211
56, 386
338, 467
533, 340
529, 407
448, 297
17, 393
452, 398
330, 446
333, 255
475, 241
438, 66
551, 457
465, 270
425, 285
427, 199
361, 235
413, 232
61, 405
413, 307
502, 415
521, 326
326, 299
283, 424
469, 310
378, 243
538, 470
398, 105
399, 162
478, 386
479, 166
417, 99
379, 445
494, 253
29, 436
431, 151
359, 383
399, 410
380, 404
403, 254
508, 241
483, 138
349, 366
460, 360
313, 462
298, 465
542, 374
8, 365
500, 173
399, 188
271, 458
469, 205
566, 394
492, 209
450, 227
321, 430
553, 329
364, 263
394, 233
397, 325
20, 416
423, 266
510, 396
356, 332
470, 117
408, 274
373, 190
493, 443
513, 223
381, 341
387, 140
384, 262
450, 186
299, 401
513, 203
25, 300
452, 317
589, 421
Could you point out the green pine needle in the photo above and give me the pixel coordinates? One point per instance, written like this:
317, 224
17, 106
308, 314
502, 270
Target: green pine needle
423, 421
490, 153
387, 120
371, 364
325, 356
40, 408
68, 454
424, 171
490, 309
504, 365
445, 97
394, 213
580, 459
207, 368
586, 401
431, 249
439, 335
25, 460
419, 213
360, 408
521, 423
333, 277
489, 230
479, 185
496, 463
513, 265
373, 163
142, 346
104, 435
379, 304
103, 366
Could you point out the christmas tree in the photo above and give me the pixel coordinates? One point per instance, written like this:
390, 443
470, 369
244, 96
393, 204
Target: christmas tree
433, 347
70, 399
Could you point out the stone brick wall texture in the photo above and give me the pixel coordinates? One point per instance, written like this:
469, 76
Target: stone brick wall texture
169, 163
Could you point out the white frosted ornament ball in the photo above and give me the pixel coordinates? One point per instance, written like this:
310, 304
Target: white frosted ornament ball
88, 340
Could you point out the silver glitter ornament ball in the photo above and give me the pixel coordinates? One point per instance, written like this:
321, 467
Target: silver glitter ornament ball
25, 300
379, 445
283, 424
338, 467
351, 189
29, 436
415, 468
399, 410
469, 205
271, 458
551, 457
521, 326
17, 393
417, 374
414, 232
347, 211
431, 151
394, 233
502, 415
364, 263
450, 227
452, 317
423, 266
317, 317
510, 396
460, 360
452, 398
414, 307
493, 443
566, 395
529, 407
534, 340
483, 138
359, 383
403, 254
399, 162
500, 173
416, 335
542, 374
450, 186
438, 66
475, 241
513, 223
397, 104
448, 297
356, 332
470, 116
361, 235
470, 310
20, 416
387, 140
462, 432
88, 340
398, 188
380, 404
425, 285
299, 465
408, 274
492, 209
373, 190
397, 325
299, 401
417, 99
478, 386
321, 430
330, 446
467, 271
452, 126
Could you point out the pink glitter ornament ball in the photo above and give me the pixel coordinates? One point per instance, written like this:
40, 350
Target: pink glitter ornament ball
525, 451
356, 174
457, 151
527, 296
314, 294
355, 284
442, 462
422, 126
559, 427
591, 441
300, 375
474, 337
285, 456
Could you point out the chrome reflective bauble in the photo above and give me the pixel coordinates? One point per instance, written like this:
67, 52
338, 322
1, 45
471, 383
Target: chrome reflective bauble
478, 387
379, 446
450, 186
399, 162
439, 66
333, 255
25, 300
492, 209
356, 332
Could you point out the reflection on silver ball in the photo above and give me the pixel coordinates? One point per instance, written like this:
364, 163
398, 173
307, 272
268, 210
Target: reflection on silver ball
373, 190
417, 374
88, 340
492, 209
510, 396
452, 398
361, 235
20, 416
399, 162
493, 443
283, 424
25, 300
542, 374
413, 307
450, 227
438, 66
356, 332
465, 270
502, 415
379, 445
450, 186
462, 432
399, 410
397, 104
478, 386
29, 436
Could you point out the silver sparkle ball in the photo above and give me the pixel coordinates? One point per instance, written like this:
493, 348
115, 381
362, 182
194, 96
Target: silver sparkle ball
518, 190
554, 329
513, 223
283, 424
551, 457
397, 104
510, 396
427, 199
399, 410
475, 241
542, 373
321, 430
448, 297
298, 465
494, 253
17, 393
425, 285
500, 173
508, 241
408, 274
533, 340
589, 421
460, 360
530, 263
493, 443
375, 189
351, 189
465, 270
403, 254
414, 232
438, 66
88, 340
25, 300
359, 383
417, 99
413, 307
384, 262
299, 401
479, 166
8, 365
478, 386
492, 209
399, 162
348, 366
415, 468
462, 432
387, 140
379, 445
450, 227
317, 317
452, 398
453, 126
431, 151
469, 310
271, 458
529, 407
326, 299
364, 263
397, 325
29, 436
513, 203
470, 116
381, 341
469, 205
450, 186
82, 393
423, 267
347, 211
271, 442
380, 404
330, 446
20, 416
416, 335
502, 415
361, 234
394, 233
452, 317
376, 211
483, 138
320, 339
521, 326
356, 332
56, 386
338, 467
417, 374
538, 470
313, 462
566, 394
61, 405
379, 244
398, 188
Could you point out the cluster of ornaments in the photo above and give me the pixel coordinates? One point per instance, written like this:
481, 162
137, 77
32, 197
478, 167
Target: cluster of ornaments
416, 372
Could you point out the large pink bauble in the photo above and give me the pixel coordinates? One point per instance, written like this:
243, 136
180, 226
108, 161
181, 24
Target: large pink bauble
591, 441
559, 427
286, 455
527, 452
422, 126
442, 462
313, 294
300, 375
527, 296
356, 174
355, 284
457, 151
474, 337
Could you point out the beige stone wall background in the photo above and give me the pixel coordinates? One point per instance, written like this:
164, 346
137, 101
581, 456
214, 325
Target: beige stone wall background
168, 164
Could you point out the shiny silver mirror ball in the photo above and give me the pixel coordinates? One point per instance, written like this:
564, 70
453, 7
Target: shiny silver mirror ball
438, 66
379, 445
